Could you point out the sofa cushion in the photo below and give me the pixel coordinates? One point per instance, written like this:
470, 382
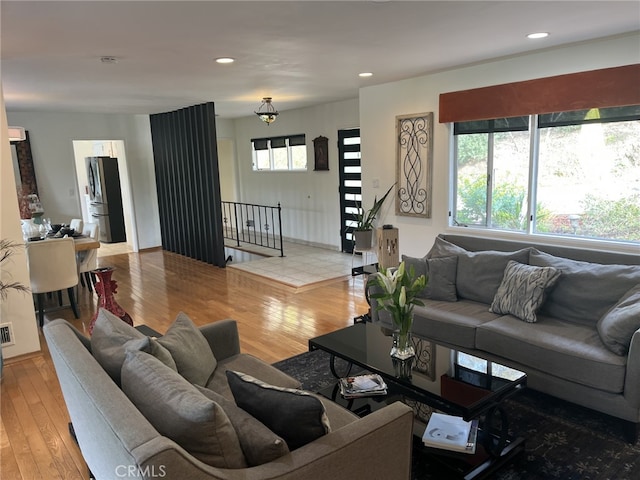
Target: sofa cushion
440, 273
111, 338
479, 273
190, 350
568, 351
295, 415
451, 322
522, 290
617, 326
180, 412
585, 291
259, 444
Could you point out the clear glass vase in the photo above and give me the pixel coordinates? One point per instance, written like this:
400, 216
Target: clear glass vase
402, 348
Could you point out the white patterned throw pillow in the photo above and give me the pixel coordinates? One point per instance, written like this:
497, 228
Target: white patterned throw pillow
522, 290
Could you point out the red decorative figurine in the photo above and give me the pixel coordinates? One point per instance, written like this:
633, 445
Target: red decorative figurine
106, 288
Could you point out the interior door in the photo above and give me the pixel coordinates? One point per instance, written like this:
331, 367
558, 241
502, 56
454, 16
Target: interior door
350, 184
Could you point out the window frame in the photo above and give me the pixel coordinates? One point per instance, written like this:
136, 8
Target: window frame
289, 141
530, 229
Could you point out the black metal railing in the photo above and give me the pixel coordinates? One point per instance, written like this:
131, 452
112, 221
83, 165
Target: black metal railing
254, 224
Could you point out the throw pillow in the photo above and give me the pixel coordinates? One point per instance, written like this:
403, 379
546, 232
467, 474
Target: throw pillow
441, 281
180, 412
297, 416
522, 290
111, 338
190, 350
259, 444
420, 268
617, 326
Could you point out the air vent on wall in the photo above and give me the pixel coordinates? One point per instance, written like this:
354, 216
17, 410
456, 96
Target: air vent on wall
6, 334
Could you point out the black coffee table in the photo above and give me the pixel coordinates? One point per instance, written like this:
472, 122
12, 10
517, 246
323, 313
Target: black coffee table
442, 379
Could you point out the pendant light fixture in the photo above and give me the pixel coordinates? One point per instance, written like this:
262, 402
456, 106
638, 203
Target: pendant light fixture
267, 112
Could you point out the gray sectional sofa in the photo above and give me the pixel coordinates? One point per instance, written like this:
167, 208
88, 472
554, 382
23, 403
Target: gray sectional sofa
568, 317
143, 407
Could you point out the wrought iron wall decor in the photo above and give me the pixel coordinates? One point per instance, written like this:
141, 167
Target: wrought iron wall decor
414, 164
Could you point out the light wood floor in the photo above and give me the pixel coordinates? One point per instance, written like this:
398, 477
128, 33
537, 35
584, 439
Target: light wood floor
153, 286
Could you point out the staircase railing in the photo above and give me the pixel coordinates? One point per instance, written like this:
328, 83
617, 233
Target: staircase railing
254, 224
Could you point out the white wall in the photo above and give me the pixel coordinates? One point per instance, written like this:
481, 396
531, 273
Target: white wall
17, 309
379, 105
310, 200
52, 136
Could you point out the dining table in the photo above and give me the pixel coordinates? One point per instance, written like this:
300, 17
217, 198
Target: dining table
81, 242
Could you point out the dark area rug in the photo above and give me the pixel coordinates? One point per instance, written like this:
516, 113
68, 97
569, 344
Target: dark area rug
563, 440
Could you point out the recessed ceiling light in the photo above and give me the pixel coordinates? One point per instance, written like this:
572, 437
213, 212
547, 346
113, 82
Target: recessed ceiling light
538, 35
365, 74
225, 60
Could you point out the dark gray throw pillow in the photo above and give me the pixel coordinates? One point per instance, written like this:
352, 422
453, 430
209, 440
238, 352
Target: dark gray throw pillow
523, 289
259, 444
617, 326
441, 284
420, 268
297, 416
190, 350
180, 412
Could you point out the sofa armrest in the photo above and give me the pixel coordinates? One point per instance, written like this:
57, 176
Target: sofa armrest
223, 338
376, 446
632, 378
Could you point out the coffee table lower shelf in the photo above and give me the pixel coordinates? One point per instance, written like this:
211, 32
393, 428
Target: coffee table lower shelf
451, 464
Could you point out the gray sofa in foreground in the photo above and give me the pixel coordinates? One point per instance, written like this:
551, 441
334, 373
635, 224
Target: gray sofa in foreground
118, 441
577, 336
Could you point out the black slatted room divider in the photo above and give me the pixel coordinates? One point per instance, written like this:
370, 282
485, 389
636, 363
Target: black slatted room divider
188, 183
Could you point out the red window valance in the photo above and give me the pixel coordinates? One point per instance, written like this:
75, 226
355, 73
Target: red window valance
608, 87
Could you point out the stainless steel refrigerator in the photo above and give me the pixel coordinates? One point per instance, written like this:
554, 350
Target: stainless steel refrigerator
105, 206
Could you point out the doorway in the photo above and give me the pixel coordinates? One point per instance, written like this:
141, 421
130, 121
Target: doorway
350, 184
114, 149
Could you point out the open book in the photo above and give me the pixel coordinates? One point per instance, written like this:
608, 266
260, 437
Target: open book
451, 433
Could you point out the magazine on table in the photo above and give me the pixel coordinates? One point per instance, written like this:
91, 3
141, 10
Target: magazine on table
451, 433
362, 386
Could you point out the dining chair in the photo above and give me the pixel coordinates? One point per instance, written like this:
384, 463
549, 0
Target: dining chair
88, 259
52, 267
76, 224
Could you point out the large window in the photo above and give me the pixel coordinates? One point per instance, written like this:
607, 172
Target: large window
568, 173
280, 153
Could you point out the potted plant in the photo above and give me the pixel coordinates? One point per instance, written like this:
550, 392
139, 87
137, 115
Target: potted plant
364, 222
7, 248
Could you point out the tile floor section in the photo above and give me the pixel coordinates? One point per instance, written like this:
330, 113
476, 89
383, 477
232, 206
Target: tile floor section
302, 266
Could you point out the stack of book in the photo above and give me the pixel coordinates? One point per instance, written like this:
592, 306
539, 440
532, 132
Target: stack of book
362, 386
451, 433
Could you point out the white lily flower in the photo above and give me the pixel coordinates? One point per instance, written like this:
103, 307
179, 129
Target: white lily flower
402, 301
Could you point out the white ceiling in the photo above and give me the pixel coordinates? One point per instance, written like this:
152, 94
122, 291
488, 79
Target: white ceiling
301, 53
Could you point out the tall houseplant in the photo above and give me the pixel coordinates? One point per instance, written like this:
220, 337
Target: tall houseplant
8, 248
365, 218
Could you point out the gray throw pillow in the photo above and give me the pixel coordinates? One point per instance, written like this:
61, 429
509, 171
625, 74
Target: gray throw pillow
522, 290
111, 338
441, 282
420, 268
618, 325
297, 416
586, 291
180, 412
190, 350
259, 444
480, 273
